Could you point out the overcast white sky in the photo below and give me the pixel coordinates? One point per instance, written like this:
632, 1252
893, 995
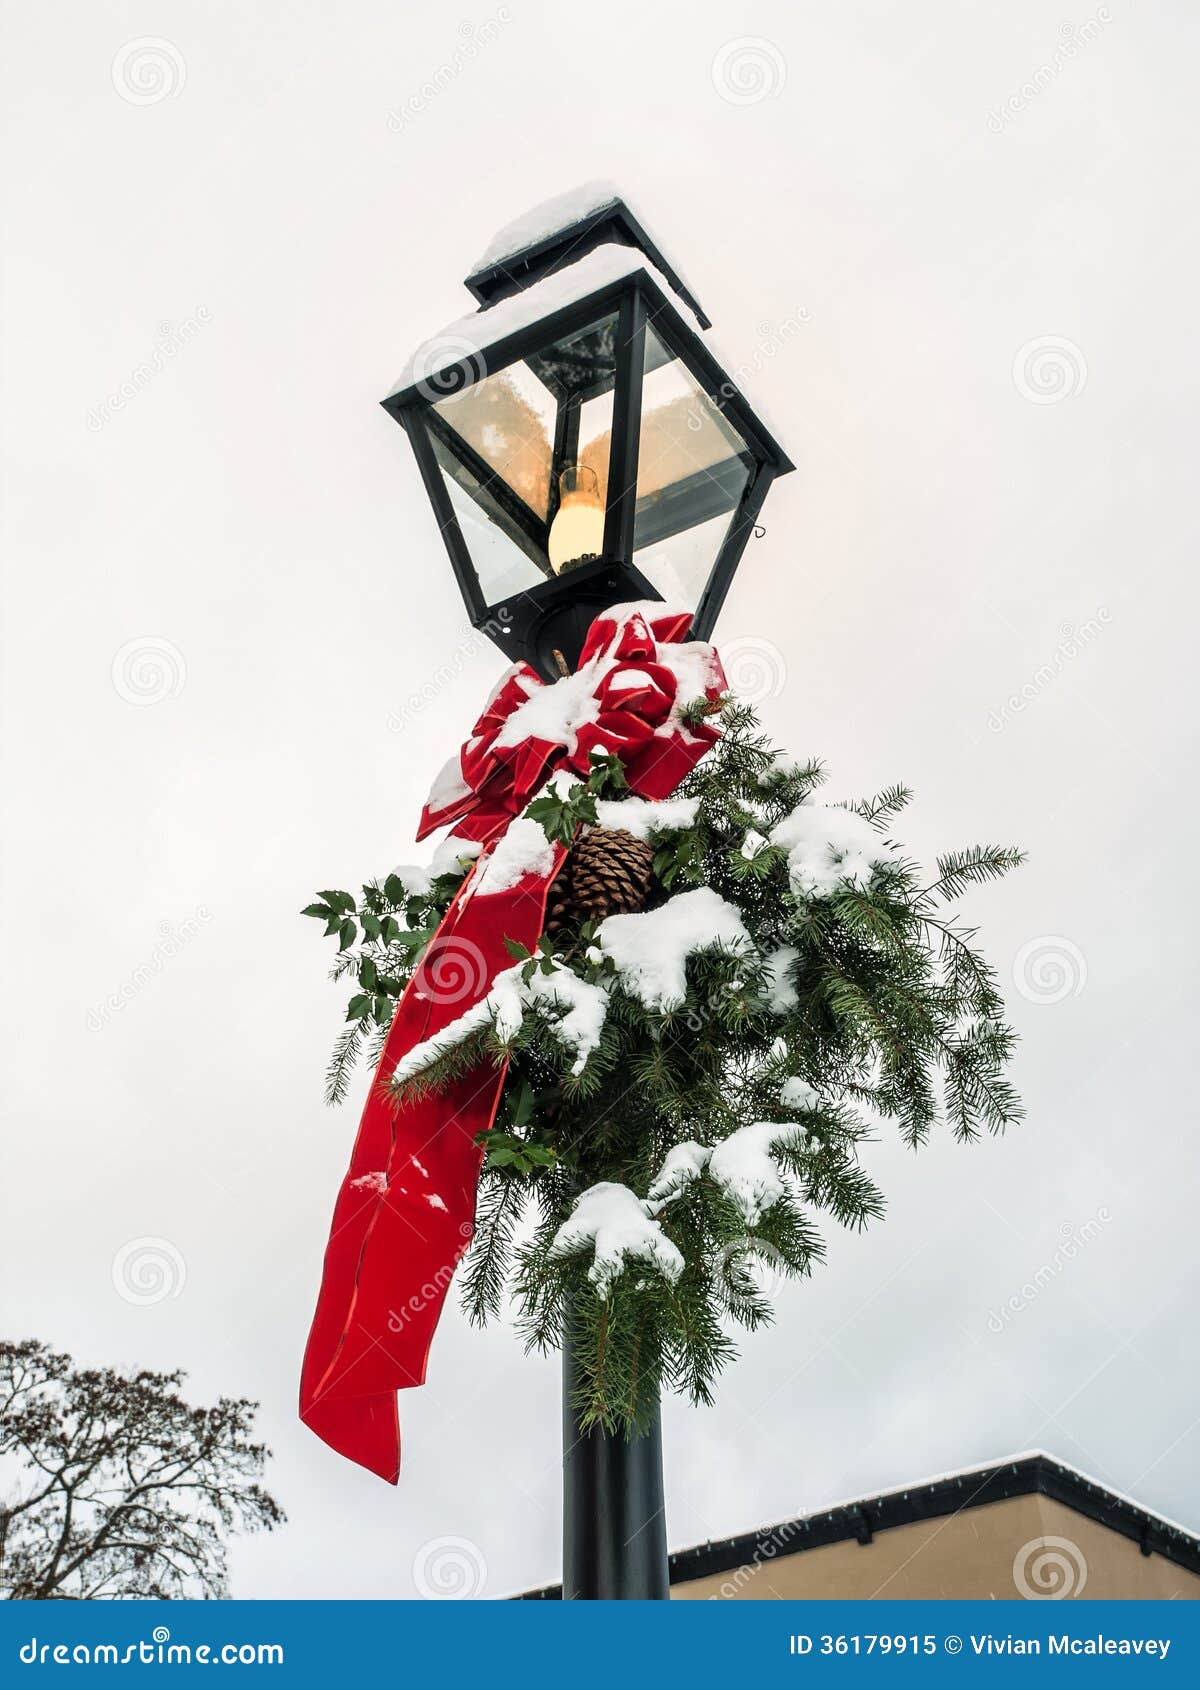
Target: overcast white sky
253, 524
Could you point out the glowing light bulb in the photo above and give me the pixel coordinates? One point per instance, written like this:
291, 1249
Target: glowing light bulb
577, 532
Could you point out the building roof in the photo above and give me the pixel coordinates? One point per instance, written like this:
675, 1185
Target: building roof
973, 1487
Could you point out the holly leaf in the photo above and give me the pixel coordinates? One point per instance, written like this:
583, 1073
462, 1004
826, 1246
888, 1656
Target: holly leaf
321, 911
368, 974
393, 889
347, 934
358, 1006
516, 950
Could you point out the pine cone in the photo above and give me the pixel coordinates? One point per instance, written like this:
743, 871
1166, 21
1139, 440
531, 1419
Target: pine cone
607, 872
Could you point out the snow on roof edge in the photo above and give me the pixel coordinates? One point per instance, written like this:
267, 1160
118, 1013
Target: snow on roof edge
547, 218
941, 1478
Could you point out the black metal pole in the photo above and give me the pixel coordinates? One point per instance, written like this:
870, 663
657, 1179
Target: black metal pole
614, 1516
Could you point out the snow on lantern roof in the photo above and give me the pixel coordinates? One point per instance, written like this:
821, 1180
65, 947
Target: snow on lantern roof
470, 337
559, 231
542, 221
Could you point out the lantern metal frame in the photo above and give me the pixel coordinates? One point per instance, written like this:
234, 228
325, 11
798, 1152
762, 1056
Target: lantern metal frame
519, 623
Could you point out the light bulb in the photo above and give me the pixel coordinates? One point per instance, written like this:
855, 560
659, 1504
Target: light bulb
577, 532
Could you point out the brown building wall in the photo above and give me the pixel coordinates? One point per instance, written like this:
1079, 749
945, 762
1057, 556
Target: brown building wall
980, 1552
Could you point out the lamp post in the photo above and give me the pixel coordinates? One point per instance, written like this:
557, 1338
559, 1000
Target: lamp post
582, 447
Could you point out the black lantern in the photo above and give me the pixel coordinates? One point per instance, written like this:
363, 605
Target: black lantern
580, 444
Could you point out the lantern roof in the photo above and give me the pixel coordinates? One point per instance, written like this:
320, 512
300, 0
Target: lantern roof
558, 232
470, 338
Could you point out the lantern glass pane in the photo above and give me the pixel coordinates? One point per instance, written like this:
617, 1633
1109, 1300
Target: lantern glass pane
524, 452
693, 468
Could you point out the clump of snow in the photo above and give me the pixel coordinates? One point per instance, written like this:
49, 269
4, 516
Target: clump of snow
828, 847
556, 712
781, 993
522, 849
537, 224
650, 950
694, 666
451, 857
376, 1181
752, 844
682, 1166
798, 1094
580, 1006
743, 1167
646, 816
609, 1219
448, 787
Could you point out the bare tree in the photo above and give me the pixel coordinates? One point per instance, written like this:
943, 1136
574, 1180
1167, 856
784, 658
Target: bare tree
124, 1489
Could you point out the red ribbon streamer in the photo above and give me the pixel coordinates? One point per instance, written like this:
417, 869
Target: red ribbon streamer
405, 1212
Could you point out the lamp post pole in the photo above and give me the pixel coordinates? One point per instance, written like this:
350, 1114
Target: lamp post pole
614, 1515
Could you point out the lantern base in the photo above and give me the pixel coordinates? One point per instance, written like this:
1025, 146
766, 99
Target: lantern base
556, 615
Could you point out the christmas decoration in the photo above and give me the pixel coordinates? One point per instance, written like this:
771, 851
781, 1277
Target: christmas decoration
405, 1211
672, 1075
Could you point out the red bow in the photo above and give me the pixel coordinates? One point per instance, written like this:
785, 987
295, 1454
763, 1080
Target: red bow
619, 701
405, 1212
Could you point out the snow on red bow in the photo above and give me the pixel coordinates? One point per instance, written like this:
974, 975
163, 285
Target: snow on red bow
626, 699
405, 1212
